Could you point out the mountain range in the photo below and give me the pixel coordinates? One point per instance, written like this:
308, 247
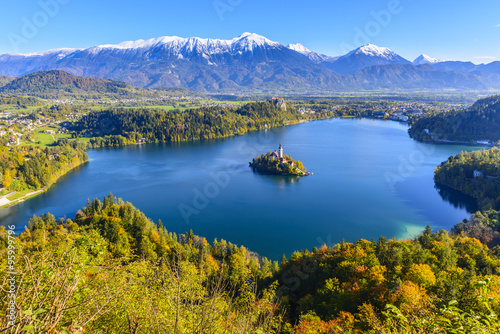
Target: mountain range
252, 63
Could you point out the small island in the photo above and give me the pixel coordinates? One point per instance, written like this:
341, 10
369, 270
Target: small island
277, 163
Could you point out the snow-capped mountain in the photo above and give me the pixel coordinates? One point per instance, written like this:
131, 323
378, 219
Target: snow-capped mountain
425, 59
374, 51
299, 48
61, 53
366, 56
247, 47
18, 64
187, 48
204, 50
314, 56
250, 63
195, 63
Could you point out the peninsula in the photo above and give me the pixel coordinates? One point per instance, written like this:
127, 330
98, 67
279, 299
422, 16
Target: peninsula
277, 163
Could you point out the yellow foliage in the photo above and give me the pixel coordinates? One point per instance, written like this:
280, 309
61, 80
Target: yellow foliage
377, 274
422, 275
367, 317
7, 178
454, 273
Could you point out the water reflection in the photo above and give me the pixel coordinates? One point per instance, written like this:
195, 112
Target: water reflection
280, 180
458, 199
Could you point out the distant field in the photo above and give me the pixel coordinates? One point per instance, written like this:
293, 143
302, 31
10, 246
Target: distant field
43, 139
169, 107
235, 103
160, 107
15, 108
164, 107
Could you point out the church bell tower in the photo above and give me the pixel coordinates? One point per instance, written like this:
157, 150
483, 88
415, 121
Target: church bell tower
280, 151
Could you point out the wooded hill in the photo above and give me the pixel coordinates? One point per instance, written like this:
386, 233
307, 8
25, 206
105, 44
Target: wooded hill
5, 80
476, 174
112, 270
479, 122
27, 167
115, 126
56, 84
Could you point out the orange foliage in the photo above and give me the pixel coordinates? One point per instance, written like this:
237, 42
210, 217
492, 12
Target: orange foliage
411, 298
212, 263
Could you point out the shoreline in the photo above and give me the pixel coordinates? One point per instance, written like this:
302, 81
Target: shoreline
37, 192
451, 142
89, 147
22, 199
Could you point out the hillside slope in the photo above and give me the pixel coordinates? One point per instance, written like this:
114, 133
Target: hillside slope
479, 122
59, 84
5, 80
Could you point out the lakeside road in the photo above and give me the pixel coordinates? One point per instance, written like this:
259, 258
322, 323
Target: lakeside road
5, 202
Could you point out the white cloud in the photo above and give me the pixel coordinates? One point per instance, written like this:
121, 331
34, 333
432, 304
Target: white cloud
498, 25
485, 57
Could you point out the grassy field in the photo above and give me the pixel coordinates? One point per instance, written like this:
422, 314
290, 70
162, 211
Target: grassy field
19, 194
43, 139
14, 108
4, 192
168, 107
160, 107
14, 199
235, 103
165, 107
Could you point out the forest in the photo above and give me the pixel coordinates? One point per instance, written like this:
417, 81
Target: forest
56, 84
110, 269
176, 126
474, 173
31, 167
5, 80
21, 101
479, 122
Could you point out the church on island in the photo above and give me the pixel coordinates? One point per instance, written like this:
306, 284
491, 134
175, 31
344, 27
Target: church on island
279, 155
278, 163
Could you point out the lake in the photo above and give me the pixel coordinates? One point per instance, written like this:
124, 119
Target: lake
370, 179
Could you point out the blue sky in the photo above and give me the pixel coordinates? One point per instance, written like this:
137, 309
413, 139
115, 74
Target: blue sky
445, 29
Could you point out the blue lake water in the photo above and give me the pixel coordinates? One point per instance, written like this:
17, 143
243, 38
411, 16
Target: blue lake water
370, 179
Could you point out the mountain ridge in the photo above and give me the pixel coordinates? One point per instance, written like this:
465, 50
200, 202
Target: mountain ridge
251, 63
